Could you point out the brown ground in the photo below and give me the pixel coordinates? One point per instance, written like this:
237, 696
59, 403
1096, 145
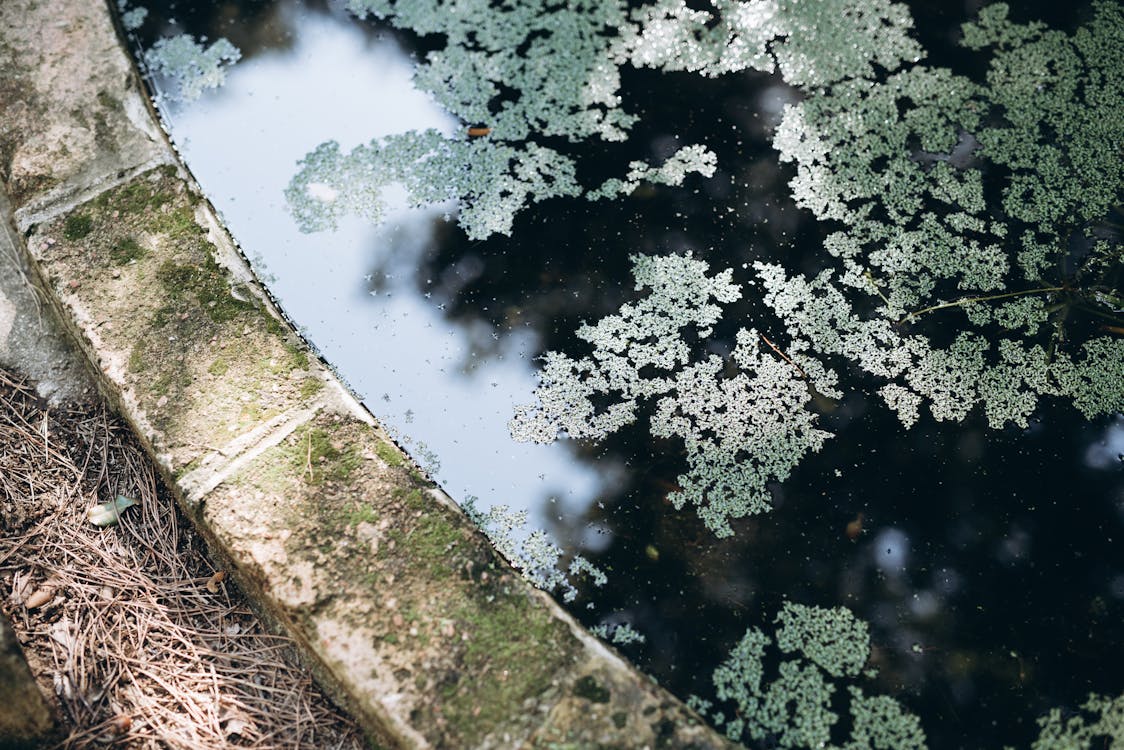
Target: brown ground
128, 626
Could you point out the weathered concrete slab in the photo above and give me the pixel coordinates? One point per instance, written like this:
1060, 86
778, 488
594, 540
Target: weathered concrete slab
195, 354
404, 610
25, 718
71, 113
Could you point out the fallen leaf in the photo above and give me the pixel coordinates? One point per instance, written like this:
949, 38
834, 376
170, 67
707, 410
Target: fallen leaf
40, 597
62, 633
107, 514
214, 581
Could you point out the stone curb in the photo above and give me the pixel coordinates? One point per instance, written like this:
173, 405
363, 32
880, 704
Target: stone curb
26, 719
401, 608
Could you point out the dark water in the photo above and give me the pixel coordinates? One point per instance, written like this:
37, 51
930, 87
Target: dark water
990, 563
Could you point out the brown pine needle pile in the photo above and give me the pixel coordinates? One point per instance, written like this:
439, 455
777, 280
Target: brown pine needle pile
142, 642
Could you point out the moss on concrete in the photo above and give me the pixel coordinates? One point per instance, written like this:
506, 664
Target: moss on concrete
390, 455
61, 131
591, 689
319, 458
310, 386
203, 355
77, 226
203, 286
456, 630
515, 652
126, 250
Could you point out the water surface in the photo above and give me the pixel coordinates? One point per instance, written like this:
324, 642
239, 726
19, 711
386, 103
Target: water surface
988, 562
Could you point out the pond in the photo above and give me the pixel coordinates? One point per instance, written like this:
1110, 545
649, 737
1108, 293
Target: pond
819, 369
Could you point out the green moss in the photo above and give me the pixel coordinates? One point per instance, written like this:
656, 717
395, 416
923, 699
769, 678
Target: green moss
207, 284
512, 653
126, 250
589, 688
219, 367
419, 479
137, 361
139, 197
388, 453
77, 226
316, 457
107, 100
433, 540
298, 357
363, 513
310, 387
177, 378
189, 467
177, 223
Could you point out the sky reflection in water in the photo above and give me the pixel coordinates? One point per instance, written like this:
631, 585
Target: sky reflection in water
414, 369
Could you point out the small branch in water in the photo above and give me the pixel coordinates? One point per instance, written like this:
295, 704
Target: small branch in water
783, 356
970, 300
874, 284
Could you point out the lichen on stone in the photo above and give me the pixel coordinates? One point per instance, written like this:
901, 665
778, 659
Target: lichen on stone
189, 66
